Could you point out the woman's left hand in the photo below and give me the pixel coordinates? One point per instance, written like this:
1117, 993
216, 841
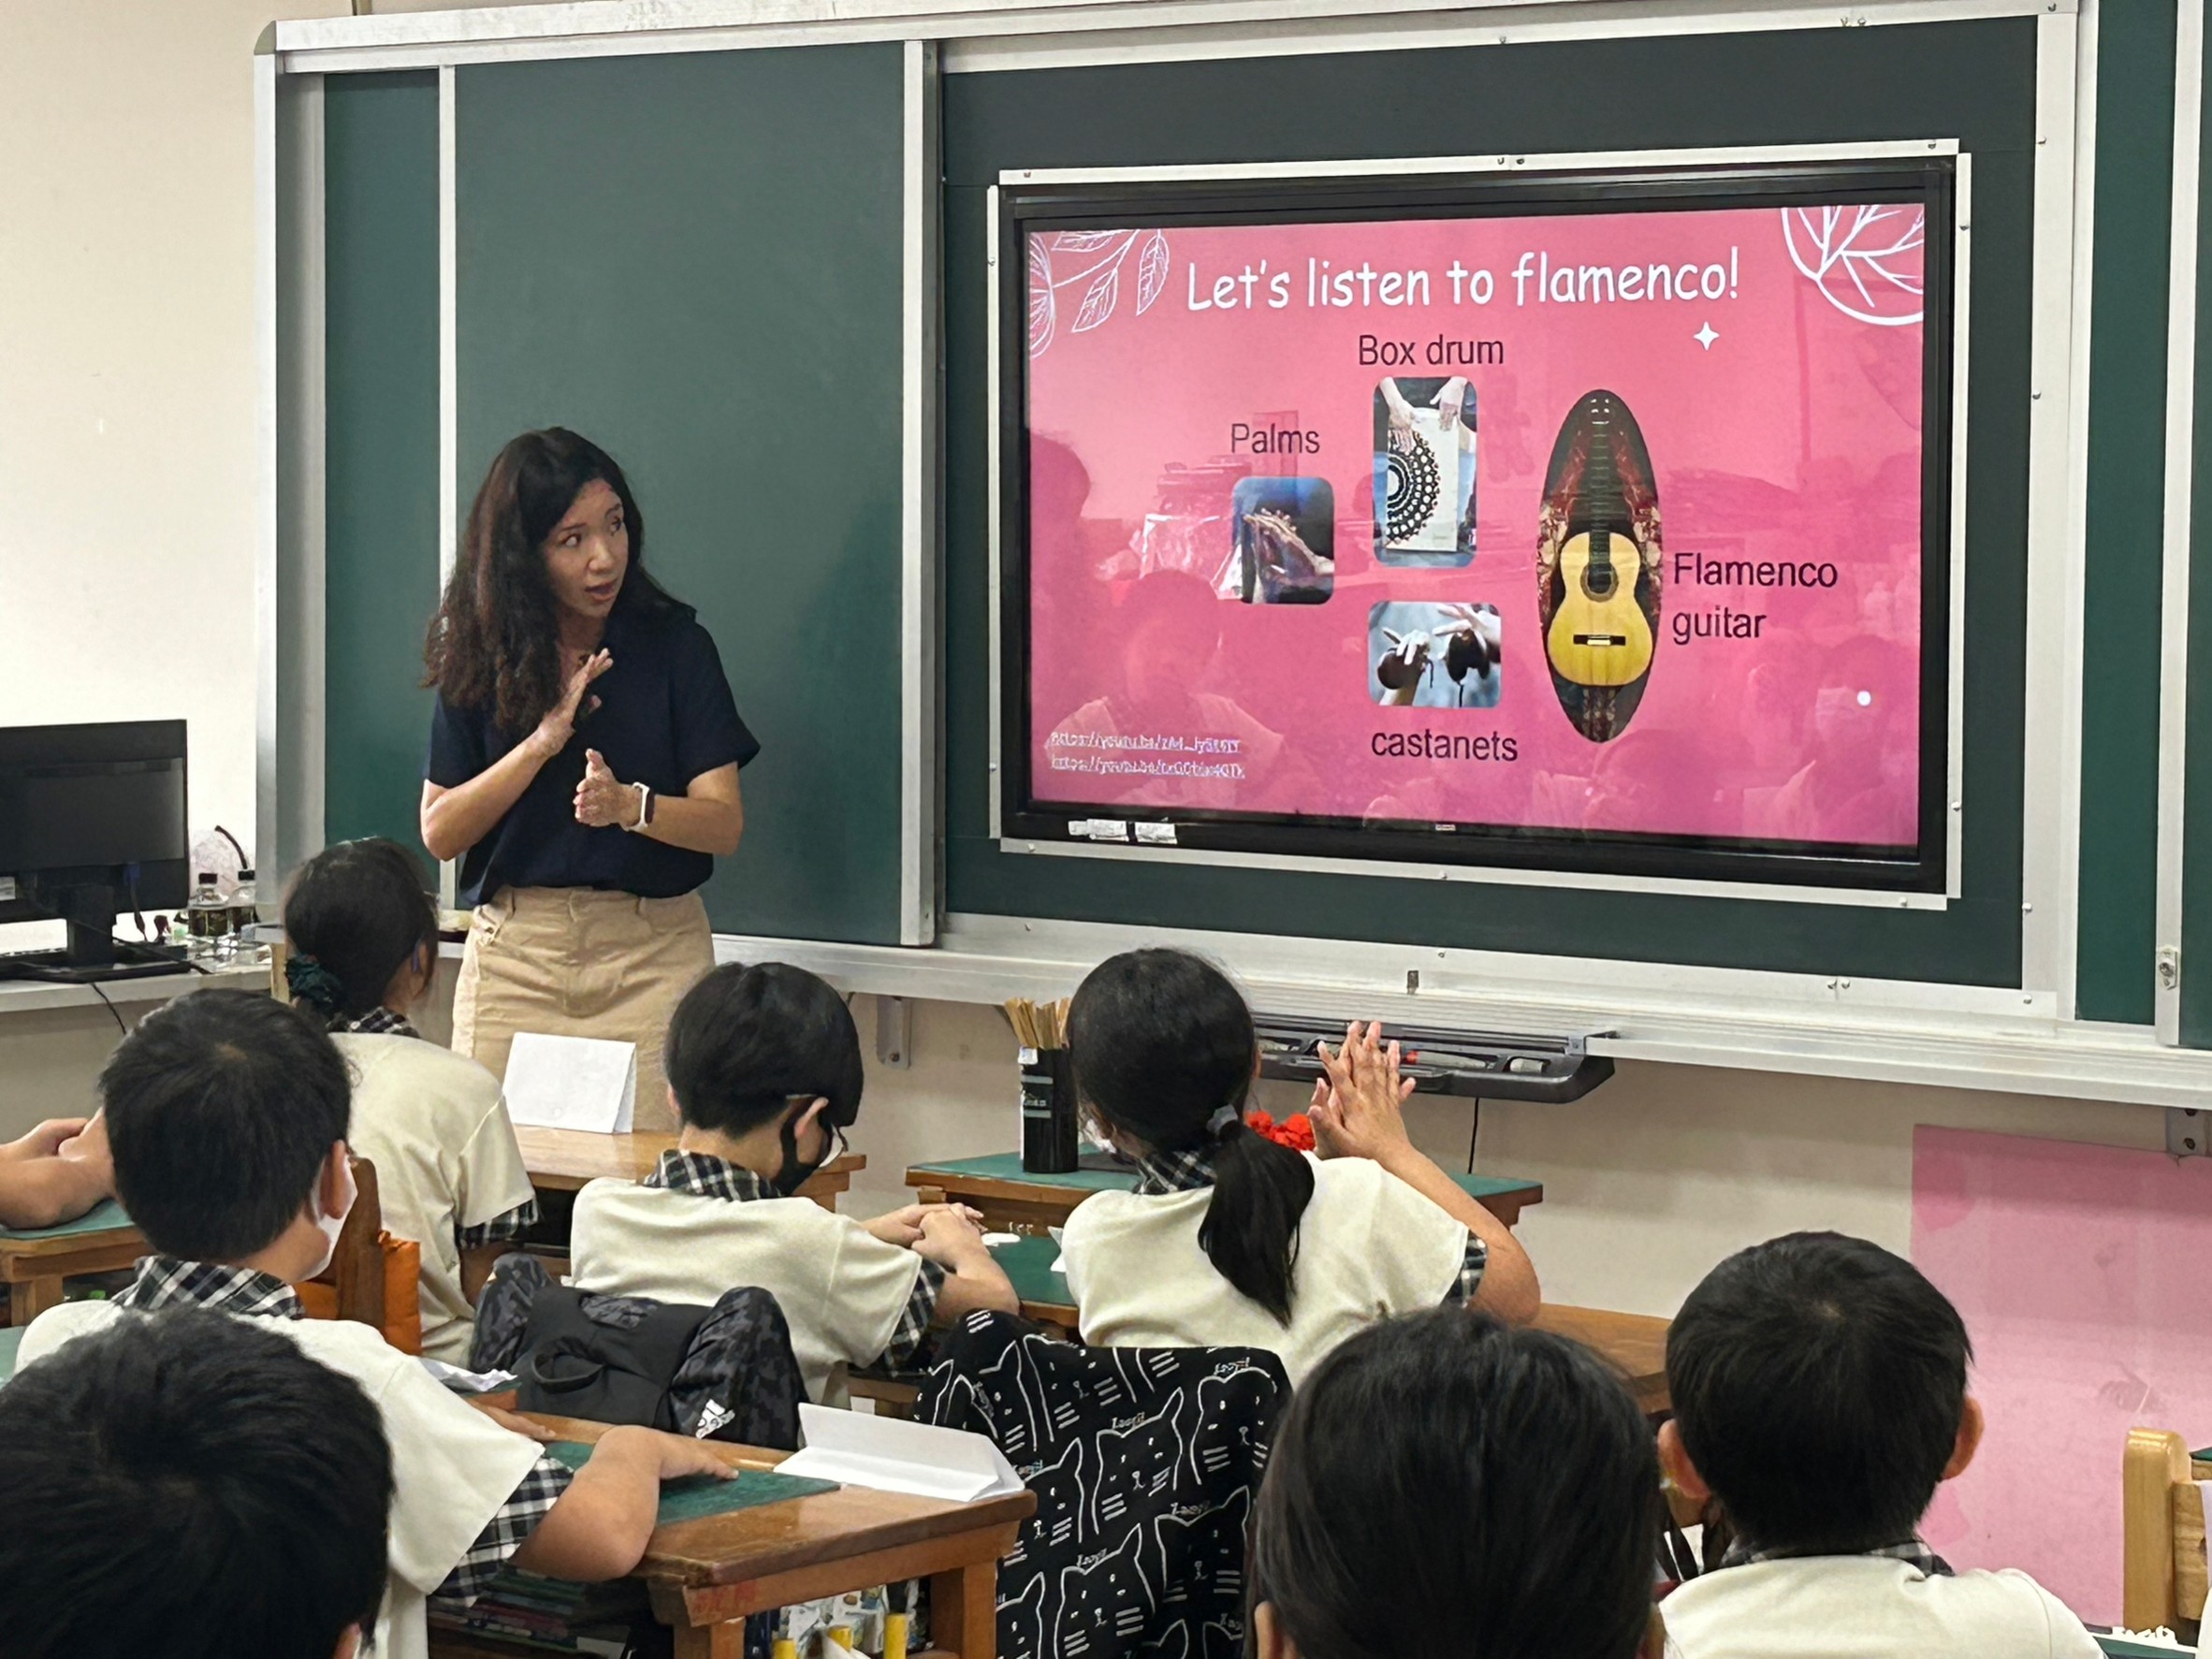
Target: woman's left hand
603, 801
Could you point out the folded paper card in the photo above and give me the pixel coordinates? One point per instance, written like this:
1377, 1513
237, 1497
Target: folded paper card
571, 1083
889, 1454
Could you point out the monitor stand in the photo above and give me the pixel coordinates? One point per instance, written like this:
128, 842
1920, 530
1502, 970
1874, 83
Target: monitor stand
93, 953
132, 962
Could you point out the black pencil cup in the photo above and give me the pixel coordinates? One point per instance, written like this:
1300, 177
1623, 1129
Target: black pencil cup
1048, 1111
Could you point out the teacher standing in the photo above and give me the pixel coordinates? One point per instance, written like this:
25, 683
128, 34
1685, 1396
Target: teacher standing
583, 763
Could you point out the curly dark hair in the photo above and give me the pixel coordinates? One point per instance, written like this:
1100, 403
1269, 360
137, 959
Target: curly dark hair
495, 642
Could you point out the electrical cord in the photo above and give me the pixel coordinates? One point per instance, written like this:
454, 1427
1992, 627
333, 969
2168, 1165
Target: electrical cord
112, 1010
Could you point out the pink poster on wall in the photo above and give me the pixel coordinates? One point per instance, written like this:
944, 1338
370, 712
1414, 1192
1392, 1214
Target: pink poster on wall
1593, 523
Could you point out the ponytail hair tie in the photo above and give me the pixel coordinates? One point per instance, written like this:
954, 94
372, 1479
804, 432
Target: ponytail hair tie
313, 983
1222, 1122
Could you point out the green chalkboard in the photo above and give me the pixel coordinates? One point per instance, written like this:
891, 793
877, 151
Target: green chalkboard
380, 582
1972, 81
2119, 761
2196, 887
695, 260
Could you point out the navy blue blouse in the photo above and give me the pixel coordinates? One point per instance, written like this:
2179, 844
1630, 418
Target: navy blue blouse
666, 717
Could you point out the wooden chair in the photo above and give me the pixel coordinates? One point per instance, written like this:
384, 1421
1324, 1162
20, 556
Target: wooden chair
2162, 1532
356, 1285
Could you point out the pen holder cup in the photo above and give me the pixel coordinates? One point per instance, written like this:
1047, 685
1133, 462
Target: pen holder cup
1048, 1112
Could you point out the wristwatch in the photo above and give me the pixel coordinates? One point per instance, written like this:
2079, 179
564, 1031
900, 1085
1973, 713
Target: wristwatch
644, 808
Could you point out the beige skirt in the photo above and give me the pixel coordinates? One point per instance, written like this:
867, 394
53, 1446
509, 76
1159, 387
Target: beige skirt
577, 962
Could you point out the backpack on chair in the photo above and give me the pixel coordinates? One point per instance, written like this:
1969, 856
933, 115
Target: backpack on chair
612, 1362
722, 1372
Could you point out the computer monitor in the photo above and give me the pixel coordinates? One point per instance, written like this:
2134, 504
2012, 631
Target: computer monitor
91, 823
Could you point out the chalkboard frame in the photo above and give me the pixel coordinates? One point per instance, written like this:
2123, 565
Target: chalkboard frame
2010, 952
295, 54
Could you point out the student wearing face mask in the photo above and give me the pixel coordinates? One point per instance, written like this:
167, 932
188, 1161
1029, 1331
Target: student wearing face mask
363, 932
583, 763
765, 1077
226, 1112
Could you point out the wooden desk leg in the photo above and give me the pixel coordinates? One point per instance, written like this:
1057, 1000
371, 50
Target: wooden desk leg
964, 1611
725, 1640
29, 1298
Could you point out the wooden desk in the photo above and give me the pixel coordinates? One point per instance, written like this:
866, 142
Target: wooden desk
706, 1576
33, 1264
1635, 1343
1013, 1199
562, 1161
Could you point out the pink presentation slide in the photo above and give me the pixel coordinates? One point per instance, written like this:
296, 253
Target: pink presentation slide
1605, 522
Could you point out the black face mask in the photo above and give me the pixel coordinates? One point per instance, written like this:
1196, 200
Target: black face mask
796, 1171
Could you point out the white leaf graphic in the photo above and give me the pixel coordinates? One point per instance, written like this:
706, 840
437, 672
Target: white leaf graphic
1097, 302
1866, 260
1085, 242
1043, 306
1152, 270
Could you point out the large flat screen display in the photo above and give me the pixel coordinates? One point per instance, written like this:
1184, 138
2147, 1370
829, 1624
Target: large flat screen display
1591, 523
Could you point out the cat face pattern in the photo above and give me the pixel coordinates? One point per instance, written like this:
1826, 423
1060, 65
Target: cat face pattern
1144, 1462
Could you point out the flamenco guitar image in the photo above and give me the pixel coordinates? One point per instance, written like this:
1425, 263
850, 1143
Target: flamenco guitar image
1598, 566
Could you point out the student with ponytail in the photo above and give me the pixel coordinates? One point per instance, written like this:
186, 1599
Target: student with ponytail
1229, 1238
363, 936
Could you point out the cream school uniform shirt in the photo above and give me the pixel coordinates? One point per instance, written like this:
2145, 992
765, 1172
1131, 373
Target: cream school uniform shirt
1860, 1607
434, 1124
841, 1288
453, 1468
1369, 1247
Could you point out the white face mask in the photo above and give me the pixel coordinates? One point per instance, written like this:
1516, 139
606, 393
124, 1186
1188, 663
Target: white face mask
331, 1226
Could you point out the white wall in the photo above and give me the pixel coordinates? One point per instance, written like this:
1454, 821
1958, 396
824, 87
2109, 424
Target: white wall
1647, 1182
127, 373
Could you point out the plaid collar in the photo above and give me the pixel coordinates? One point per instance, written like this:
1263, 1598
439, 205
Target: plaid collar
1912, 1552
703, 1175
1162, 1172
375, 1022
164, 1281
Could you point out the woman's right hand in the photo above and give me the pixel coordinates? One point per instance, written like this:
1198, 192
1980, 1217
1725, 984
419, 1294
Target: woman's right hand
560, 724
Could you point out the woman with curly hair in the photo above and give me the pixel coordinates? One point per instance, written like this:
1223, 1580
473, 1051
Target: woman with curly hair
583, 763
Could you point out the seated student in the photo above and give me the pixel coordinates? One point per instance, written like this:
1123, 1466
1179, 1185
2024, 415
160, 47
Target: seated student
757, 1057
1819, 1387
1452, 1486
227, 1113
192, 1487
55, 1174
1229, 1238
364, 938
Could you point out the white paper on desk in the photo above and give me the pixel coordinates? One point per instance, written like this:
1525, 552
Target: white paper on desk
571, 1083
466, 1382
889, 1454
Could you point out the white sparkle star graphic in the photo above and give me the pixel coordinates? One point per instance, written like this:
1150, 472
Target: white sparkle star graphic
1705, 336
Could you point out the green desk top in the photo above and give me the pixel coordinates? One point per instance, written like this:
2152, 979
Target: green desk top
105, 1216
699, 1496
2121, 1647
1007, 1165
11, 1338
1028, 1263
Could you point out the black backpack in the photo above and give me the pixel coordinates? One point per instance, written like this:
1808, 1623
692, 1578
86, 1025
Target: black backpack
612, 1362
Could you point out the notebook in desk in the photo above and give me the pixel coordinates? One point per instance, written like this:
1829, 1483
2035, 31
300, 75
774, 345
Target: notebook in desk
697, 1498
